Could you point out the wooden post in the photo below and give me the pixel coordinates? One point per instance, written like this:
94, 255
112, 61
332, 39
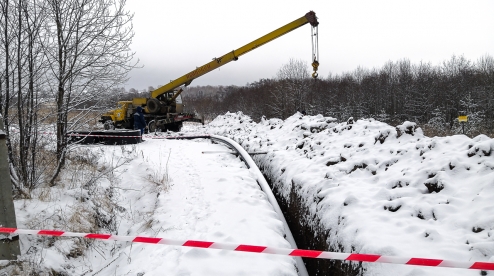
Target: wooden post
463, 119
9, 245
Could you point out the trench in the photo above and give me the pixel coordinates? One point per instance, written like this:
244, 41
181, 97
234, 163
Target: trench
263, 184
306, 236
299, 221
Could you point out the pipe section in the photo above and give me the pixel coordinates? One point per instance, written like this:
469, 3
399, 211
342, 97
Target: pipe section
267, 190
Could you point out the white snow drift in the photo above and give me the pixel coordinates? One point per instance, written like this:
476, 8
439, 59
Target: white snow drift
380, 189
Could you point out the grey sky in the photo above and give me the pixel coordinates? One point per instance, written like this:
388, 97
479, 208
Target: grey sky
174, 37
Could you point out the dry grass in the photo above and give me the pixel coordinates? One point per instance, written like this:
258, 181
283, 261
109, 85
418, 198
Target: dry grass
160, 177
81, 219
47, 115
93, 208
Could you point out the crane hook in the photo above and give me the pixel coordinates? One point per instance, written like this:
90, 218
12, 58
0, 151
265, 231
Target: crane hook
315, 65
315, 50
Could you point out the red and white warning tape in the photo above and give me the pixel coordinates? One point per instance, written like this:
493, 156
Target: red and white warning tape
263, 249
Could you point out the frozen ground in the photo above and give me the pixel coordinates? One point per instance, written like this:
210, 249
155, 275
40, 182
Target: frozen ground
380, 189
160, 188
376, 188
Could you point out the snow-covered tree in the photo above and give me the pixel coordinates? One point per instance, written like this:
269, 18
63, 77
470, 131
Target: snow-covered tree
476, 116
382, 116
290, 93
438, 123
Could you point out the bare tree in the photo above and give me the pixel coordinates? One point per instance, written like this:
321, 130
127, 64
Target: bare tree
91, 54
21, 23
296, 73
7, 38
34, 65
290, 93
76, 49
281, 101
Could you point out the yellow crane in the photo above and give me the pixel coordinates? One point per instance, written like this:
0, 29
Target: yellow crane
163, 109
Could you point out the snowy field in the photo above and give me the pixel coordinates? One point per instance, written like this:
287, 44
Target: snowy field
380, 189
159, 188
376, 188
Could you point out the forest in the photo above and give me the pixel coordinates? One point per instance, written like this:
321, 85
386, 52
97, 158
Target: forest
433, 96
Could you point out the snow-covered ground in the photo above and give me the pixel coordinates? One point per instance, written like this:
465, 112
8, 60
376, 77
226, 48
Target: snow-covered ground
380, 189
159, 188
376, 188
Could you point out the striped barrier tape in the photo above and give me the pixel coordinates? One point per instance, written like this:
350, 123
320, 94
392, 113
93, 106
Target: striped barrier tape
262, 249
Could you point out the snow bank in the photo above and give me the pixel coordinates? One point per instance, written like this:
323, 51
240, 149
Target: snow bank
379, 189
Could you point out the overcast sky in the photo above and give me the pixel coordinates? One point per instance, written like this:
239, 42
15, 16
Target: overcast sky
172, 38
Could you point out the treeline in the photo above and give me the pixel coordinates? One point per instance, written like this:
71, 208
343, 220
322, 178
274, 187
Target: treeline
58, 60
432, 96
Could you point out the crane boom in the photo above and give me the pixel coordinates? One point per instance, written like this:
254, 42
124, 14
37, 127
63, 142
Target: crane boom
163, 110
186, 79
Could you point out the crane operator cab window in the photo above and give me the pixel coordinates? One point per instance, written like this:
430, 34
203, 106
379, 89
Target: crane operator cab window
169, 95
